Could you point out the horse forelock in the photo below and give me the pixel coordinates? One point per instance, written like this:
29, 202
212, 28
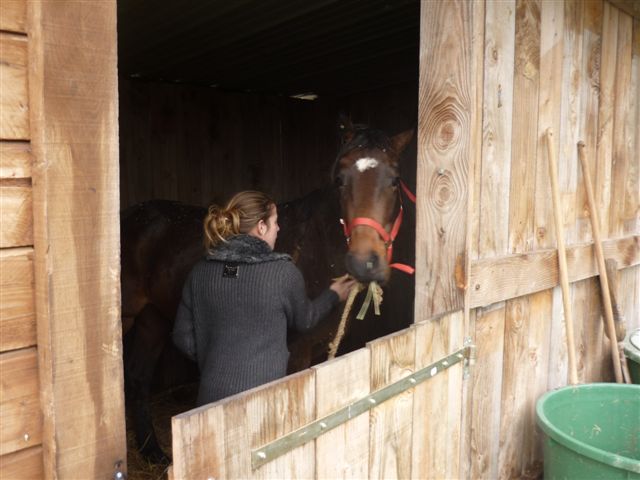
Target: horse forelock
363, 138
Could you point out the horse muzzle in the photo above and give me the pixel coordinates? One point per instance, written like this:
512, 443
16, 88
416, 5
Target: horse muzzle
367, 267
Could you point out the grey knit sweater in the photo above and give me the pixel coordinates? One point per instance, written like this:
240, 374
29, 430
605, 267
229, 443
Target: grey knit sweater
236, 306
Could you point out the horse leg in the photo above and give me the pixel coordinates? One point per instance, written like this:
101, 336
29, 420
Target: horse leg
143, 348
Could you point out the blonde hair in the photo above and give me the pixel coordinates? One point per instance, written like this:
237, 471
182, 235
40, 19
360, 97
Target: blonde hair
243, 212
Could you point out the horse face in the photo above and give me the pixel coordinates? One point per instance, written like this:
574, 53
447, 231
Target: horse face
367, 176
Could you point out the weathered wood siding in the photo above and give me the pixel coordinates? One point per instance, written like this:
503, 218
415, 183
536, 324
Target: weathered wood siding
199, 145
20, 412
571, 66
61, 392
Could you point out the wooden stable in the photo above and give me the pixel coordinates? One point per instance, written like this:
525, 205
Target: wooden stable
494, 76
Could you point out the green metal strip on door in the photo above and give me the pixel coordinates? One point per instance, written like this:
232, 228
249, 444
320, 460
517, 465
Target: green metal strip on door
316, 428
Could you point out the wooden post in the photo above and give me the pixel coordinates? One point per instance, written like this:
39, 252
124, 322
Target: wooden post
73, 99
604, 282
562, 259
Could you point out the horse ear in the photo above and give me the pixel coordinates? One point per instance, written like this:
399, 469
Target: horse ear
401, 140
345, 128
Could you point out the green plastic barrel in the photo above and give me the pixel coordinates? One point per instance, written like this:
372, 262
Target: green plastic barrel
591, 431
632, 353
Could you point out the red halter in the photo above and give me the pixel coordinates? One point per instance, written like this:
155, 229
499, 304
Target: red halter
387, 237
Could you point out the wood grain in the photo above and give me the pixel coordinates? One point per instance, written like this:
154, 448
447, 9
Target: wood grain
390, 426
13, 16
20, 414
17, 303
15, 160
344, 451
14, 99
437, 402
498, 279
24, 464
487, 384
603, 174
444, 132
198, 443
16, 204
74, 140
497, 119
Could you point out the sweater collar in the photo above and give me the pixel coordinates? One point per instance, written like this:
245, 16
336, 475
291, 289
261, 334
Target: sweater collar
245, 249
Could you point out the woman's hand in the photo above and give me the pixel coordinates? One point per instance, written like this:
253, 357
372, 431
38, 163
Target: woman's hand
342, 286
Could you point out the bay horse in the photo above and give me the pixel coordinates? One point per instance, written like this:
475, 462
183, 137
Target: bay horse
346, 226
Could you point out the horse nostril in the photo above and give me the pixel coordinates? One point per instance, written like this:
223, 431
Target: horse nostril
372, 262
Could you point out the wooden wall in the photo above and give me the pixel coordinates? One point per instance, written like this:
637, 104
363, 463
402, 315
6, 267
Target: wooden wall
199, 145
20, 413
61, 392
485, 201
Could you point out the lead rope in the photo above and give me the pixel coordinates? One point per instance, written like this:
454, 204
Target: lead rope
374, 294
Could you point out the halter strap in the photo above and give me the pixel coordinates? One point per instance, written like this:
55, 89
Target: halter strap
387, 237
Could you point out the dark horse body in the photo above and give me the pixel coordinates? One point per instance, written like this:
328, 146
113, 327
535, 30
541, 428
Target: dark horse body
162, 240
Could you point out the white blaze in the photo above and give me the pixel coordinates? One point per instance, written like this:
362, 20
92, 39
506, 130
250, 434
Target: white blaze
366, 163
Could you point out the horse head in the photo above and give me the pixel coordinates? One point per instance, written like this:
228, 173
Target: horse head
367, 175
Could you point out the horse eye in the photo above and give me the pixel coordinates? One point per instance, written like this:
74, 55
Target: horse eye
339, 181
395, 182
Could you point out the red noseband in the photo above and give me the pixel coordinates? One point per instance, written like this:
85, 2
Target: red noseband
387, 237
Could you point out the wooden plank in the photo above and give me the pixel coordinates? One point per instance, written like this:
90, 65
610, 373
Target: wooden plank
15, 160
14, 99
13, 16
198, 444
437, 403
487, 385
630, 7
535, 369
20, 414
514, 386
498, 279
622, 130
496, 146
74, 118
24, 464
446, 105
390, 426
17, 303
259, 416
571, 114
524, 133
344, 451
16, 204
552, 43
632, 196
602, 179
590, 79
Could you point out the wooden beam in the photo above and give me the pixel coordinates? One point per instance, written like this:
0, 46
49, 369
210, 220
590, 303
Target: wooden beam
14, 102
17, 305
73, 91
20, 414
13, 15
496, 279
631, 7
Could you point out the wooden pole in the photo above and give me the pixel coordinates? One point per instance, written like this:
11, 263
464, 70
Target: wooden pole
562, 259
604, 281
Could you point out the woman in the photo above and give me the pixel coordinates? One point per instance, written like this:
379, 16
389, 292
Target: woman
239, 301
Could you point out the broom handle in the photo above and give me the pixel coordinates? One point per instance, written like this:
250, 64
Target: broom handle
604, 281
562, 259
